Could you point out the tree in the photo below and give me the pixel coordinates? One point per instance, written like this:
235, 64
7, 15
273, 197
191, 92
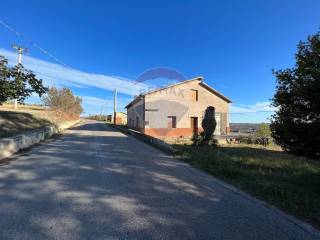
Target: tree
263, 134
18, 82
6, 91
209, 123
63, 100
263, 131
296, 124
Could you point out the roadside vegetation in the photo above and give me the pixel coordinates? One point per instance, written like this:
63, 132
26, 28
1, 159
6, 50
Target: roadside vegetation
98, 117
289, 182
63, 101
28, 117
296, 124
262, 136
19, 83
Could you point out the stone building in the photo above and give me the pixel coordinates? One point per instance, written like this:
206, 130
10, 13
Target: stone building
177, 110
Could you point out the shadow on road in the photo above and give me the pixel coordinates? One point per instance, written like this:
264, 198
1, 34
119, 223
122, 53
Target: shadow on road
94, 126
97, 186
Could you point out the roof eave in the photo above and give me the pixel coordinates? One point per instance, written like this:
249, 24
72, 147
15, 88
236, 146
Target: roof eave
134, 101
216, 92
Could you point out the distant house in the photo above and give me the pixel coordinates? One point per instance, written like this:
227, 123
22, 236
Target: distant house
109, 118
177, 110
121, 118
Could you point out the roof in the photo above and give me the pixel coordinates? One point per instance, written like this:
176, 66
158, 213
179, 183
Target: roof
136, 99
121, 113
199, 79
215, 92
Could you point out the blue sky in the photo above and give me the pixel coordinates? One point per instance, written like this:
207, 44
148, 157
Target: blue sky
234, 45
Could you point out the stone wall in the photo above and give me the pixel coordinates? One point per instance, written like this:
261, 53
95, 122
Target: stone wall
11, 145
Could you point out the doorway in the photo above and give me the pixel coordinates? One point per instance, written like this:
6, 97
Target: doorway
194, 125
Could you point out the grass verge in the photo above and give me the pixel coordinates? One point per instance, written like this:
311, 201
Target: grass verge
27, 117
286, 181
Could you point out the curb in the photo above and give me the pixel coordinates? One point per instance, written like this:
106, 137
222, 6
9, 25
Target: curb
147, 139
11, 145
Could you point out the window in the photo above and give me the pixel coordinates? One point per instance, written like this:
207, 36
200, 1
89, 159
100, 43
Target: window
194, 95
137, 122
172, 122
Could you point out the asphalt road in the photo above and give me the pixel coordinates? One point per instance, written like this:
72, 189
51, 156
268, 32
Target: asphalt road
97, 183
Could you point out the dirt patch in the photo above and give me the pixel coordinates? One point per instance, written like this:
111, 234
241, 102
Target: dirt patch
26, 117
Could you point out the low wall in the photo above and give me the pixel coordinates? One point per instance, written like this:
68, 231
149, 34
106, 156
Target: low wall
146, 138
164, 144
11, 145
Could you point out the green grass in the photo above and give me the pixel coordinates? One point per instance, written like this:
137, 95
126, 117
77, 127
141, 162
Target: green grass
286, 181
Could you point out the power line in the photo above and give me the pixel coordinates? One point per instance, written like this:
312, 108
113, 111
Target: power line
42, 50
45, 52
51, 56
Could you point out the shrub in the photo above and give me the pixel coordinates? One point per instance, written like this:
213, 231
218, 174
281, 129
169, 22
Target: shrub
201, 140
209, 123
263, 131
98, 117
63, 100
263, 134
247, 139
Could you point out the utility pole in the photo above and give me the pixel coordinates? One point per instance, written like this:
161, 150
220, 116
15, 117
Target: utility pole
20, 50
115, 106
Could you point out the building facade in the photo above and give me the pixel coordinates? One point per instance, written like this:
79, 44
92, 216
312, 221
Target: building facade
177, 110
120, 118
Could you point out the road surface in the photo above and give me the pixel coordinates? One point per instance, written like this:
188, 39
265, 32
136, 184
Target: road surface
96, 183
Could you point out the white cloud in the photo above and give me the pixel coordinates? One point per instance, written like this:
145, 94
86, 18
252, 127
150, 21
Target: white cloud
255, 108
263, 107
95, 101
235, 109
59, 75
255, 113
93, 105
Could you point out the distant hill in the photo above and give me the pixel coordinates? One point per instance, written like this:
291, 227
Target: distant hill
244, 127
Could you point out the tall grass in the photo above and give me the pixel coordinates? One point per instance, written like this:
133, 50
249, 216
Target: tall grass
286, 181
